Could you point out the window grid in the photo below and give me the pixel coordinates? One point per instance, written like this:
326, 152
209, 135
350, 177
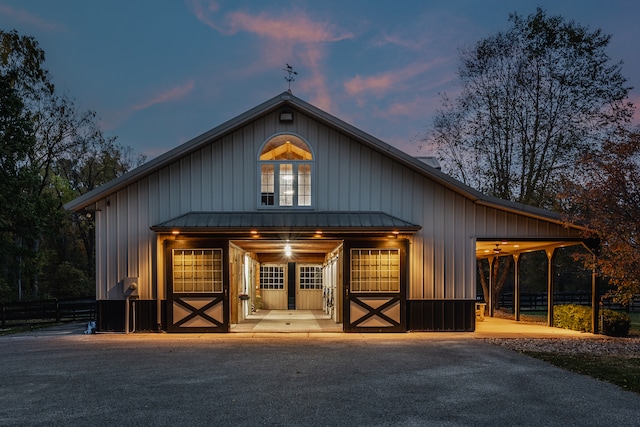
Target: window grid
310, 277
286, 184
267, 184
271, 277
286, 164
197, 270
304, 185
375, 270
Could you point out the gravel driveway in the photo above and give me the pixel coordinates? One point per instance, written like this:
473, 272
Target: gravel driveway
63, 377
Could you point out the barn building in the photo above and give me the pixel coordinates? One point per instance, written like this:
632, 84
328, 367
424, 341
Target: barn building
287, 207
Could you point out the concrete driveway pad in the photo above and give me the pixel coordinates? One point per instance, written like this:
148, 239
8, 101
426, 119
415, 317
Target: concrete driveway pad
62, 377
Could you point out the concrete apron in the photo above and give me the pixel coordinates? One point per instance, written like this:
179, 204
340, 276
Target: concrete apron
306, 322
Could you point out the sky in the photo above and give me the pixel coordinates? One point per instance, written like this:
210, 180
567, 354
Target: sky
161, 72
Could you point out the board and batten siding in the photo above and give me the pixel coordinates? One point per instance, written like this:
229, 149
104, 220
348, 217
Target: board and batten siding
347, 176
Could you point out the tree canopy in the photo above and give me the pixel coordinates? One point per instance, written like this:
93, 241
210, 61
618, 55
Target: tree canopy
50, 152
606, 201
533, 98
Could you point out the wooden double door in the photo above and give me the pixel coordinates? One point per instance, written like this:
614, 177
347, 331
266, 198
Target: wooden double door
291, 286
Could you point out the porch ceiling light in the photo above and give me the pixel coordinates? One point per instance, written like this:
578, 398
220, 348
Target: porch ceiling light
175, 232
287, 250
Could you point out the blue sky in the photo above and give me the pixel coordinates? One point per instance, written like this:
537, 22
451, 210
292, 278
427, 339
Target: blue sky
160, 72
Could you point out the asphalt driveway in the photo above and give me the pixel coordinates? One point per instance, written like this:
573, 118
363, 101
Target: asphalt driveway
63, 377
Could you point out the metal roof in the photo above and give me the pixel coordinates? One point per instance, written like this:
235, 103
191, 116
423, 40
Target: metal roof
273, 221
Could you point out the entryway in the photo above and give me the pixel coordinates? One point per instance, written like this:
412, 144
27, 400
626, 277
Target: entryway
287, 321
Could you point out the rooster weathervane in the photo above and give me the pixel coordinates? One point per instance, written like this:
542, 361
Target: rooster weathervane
290, 73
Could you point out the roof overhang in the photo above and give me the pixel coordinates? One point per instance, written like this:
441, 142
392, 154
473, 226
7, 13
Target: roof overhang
279, 223
489, 248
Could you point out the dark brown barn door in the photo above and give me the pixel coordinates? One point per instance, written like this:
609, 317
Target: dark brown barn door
198, 286
375, 287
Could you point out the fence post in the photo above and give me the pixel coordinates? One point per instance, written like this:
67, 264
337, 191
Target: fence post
3, 315
57, 310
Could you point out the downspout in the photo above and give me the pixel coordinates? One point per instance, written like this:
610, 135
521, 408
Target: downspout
126, 315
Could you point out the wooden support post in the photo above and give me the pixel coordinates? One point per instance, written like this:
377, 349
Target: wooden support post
595, 302
550, 253
491, 284
516, 286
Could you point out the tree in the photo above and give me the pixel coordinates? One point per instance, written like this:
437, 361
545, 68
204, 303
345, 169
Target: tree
533, 99
50, 153
18, 210
100, 161
606, 202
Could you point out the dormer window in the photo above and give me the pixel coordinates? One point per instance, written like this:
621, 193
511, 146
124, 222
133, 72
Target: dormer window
285, 172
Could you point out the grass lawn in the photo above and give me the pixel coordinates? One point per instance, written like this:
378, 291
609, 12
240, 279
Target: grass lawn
622, 371
619, 370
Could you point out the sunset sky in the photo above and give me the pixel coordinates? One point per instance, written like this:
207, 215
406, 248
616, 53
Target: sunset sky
160, 72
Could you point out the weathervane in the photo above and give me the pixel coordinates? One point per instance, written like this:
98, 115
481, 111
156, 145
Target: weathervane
290, 77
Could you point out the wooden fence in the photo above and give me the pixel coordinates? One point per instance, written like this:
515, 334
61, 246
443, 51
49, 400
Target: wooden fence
47, 311
538, 301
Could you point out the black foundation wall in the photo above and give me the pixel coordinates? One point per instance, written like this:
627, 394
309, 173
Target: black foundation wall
441, 315
142, 315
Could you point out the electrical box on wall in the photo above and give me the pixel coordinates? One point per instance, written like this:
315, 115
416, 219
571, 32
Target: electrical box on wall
130, 286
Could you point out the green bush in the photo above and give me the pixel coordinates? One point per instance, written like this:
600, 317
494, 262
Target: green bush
578, 318
615, 324
572, 316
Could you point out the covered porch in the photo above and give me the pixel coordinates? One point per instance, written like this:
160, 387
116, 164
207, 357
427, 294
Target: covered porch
494, 249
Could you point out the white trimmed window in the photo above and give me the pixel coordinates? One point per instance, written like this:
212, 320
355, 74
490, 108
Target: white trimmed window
375, 270
286, 165
310, 276
272, 277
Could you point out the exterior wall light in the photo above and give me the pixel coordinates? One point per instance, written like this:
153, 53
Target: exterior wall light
286, 116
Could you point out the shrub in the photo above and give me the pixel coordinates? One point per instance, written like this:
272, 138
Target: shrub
615, 324
572, 316
578, 318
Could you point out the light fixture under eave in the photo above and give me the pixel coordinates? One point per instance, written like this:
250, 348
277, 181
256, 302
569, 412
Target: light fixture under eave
286, 116
175, 232
287, 250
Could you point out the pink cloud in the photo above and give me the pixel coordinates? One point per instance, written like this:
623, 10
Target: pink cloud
418, 107
171, 94
412, 43
289, 37
116, 117
202, 11
296, 27
383, 83
27, 18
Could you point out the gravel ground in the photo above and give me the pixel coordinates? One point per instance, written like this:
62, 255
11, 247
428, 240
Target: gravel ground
606, 346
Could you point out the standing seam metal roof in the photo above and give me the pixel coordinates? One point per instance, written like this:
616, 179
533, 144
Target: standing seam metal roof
286, 220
